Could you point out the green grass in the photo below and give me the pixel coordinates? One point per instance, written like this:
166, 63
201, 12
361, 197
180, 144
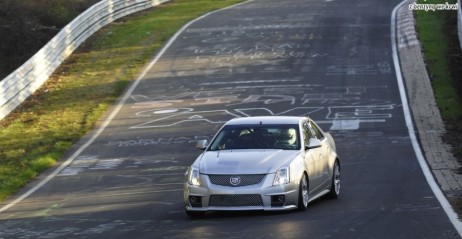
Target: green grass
36, 135
438, 34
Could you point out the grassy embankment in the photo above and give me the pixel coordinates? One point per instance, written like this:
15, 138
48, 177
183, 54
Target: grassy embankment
36, 135
437, 31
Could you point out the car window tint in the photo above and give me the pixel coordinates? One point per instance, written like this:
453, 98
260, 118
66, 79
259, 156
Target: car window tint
257, 137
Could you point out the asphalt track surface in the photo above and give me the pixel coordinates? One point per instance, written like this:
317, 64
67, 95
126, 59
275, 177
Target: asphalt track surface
331, 60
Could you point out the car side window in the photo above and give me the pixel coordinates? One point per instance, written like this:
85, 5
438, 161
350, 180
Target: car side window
307, 135
316, 131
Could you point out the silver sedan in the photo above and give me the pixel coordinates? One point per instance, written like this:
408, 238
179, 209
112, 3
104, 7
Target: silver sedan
263, 163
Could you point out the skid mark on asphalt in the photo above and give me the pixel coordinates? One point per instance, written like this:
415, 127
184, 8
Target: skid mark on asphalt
92, 162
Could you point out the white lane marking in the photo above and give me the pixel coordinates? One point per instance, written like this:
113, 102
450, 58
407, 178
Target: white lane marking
345, 124
112, 115
79, 165
422, 162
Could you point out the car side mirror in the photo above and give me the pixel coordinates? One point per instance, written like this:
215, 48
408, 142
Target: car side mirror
202, 144
313, 143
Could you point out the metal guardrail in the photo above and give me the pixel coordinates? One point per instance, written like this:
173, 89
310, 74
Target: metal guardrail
23, 82
459, 23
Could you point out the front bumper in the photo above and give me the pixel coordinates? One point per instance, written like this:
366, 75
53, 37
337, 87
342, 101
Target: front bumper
262, 196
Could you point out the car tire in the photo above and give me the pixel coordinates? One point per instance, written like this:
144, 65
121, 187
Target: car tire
303, 194
194, 214
335, 185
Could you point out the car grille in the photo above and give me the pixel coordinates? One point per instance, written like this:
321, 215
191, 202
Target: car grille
236, 180
235, 200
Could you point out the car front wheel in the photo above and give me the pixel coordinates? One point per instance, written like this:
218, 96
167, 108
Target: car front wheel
303, 194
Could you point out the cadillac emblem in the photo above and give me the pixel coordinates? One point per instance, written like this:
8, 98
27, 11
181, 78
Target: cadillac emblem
235, 180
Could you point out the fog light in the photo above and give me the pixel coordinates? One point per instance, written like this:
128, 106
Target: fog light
195, 201
278, 200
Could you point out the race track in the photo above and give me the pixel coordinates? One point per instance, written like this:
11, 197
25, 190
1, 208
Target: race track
331, 60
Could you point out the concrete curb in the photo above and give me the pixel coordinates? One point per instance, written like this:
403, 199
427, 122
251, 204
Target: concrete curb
426, 115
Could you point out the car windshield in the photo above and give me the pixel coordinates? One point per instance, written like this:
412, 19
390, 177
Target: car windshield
257, 137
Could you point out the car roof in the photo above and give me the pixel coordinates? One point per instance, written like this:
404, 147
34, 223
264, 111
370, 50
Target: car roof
266, 120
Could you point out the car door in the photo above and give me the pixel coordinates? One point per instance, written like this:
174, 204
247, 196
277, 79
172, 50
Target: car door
324, 154
313, 162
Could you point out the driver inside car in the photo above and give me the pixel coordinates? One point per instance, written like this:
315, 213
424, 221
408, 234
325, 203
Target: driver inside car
287, 138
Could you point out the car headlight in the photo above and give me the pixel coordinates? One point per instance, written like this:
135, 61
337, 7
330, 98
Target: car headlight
282, 176
194, 177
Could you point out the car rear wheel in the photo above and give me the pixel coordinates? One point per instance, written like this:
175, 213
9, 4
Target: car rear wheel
303, 194
335, 185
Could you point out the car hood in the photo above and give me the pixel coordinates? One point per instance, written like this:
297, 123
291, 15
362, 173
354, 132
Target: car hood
245, 161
